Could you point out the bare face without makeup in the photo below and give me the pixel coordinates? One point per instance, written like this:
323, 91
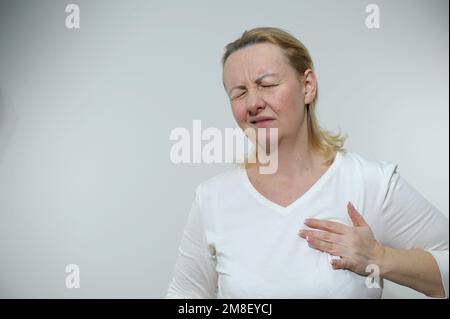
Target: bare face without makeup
264, 90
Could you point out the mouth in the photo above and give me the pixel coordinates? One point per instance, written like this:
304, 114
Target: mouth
261, 122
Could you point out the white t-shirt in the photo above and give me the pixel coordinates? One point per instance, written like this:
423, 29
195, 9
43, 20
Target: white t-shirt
239, 244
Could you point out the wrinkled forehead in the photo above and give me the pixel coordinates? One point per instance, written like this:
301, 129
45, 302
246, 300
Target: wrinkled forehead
249, 63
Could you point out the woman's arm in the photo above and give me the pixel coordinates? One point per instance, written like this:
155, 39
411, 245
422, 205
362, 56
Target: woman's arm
416, 240
195, 275
415, 268
412, 249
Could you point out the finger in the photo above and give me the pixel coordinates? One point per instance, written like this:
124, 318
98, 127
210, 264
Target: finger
355, 216
341, 263
330, 226
322, 235
331, 248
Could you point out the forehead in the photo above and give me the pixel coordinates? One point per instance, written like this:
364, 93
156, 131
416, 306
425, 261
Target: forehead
252, 61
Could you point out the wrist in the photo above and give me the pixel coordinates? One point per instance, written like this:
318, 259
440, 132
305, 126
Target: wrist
380, 258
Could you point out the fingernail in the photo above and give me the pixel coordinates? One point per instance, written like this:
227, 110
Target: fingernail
302, 233
307, 220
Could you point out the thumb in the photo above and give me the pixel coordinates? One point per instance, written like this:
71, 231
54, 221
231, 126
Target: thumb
355, 216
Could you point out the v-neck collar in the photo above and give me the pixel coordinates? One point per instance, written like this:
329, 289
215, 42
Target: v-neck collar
284, 210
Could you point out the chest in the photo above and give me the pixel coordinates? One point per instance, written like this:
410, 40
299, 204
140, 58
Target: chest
283, 266
281, 192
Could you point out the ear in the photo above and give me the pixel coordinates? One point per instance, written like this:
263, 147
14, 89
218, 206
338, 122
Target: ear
310, 86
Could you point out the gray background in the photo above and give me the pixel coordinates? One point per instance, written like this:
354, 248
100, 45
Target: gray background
85, 118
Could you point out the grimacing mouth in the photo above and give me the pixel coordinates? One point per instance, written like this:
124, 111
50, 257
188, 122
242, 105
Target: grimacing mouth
261, 118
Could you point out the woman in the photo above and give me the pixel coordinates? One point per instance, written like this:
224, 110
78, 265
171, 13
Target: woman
326, 224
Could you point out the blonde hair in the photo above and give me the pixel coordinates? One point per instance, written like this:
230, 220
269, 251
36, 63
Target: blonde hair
299, 58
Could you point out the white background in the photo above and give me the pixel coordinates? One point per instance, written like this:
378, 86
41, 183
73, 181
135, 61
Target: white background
85, 118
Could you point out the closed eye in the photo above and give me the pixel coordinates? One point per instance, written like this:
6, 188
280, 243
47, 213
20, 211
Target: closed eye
238, 95
244, 91
268, 85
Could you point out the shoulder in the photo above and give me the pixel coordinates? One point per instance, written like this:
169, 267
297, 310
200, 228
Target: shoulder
369, 168
221, 183
369, 176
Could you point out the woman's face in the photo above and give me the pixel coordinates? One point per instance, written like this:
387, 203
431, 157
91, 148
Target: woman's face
265, 91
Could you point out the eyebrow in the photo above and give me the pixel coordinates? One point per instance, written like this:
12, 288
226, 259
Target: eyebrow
258, 80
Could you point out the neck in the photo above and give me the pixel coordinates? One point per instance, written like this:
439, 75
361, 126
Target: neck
295, 156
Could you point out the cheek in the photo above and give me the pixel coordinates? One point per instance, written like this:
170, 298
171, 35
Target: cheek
287, 102
239, 112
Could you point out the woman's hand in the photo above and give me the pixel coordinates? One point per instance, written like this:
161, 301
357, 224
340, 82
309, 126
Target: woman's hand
355, 245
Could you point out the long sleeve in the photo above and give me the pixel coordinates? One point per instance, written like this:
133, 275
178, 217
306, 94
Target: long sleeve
195, 275
411, 222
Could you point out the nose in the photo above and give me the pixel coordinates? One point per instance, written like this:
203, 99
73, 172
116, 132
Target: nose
255, 103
